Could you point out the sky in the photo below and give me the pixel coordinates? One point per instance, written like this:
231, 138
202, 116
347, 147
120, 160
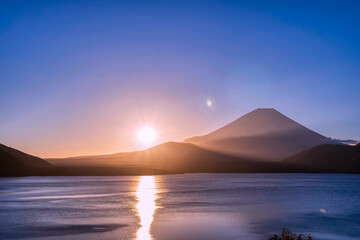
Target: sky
81, 77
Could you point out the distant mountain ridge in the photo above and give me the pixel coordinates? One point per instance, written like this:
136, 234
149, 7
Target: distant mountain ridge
14, 163
327, 158
174, 157
263, 134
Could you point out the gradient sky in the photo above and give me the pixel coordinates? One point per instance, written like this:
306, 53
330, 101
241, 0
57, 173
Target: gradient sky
80, 77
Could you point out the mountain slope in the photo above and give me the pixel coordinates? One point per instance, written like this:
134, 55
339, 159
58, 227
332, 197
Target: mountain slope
14, 162
25, 158
174, 157
263, 134
328, 158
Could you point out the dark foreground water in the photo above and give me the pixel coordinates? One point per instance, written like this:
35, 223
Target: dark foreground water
184, 207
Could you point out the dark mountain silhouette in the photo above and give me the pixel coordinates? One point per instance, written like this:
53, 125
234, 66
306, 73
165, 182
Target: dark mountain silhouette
173, 157
327, 158
14, 162
165, 158
263, 134
25, 158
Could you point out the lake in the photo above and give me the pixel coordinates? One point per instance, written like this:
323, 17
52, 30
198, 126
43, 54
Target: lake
179, 207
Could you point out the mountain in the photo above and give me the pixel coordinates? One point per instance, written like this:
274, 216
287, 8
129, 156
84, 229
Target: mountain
14, 162
351, 142
328, 158
173, 157
263, 134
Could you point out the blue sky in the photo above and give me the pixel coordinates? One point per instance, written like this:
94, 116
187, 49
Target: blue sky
79, 77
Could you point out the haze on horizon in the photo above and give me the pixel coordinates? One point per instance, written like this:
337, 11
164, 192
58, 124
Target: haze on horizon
81, 78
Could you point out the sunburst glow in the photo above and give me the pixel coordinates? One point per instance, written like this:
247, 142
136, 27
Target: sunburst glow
146, 135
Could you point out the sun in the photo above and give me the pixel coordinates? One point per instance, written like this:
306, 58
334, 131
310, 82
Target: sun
146, 135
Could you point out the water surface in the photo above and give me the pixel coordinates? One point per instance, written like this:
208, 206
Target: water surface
177, 207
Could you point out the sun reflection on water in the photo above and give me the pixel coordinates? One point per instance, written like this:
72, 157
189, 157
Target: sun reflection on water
146, 195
